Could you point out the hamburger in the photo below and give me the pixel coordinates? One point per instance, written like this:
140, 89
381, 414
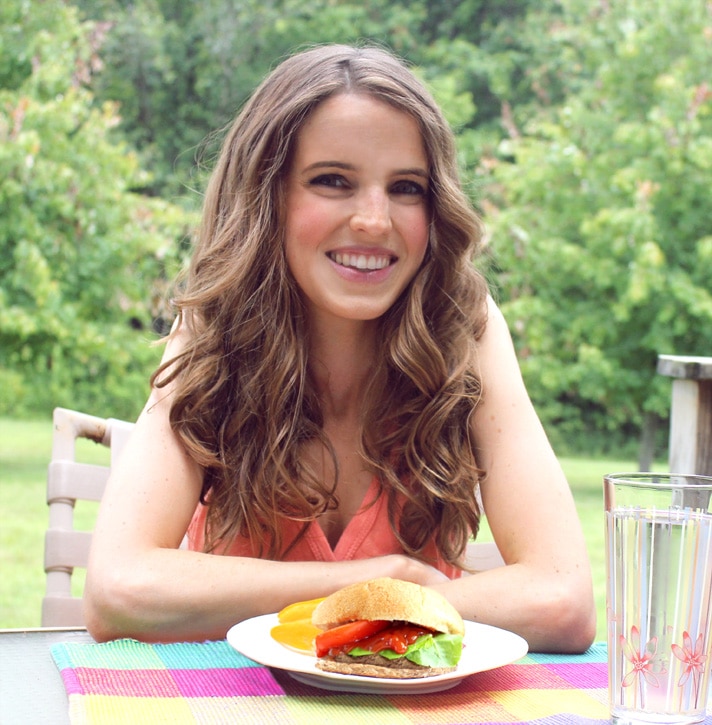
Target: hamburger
387, 628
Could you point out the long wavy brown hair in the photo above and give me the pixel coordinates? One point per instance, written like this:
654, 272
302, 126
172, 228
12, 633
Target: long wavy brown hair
245, 402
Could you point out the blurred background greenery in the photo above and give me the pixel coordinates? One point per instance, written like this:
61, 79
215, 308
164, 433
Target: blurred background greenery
585, 139
584, 131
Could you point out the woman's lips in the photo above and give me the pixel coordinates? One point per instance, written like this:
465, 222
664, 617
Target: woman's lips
361, 266
361, 262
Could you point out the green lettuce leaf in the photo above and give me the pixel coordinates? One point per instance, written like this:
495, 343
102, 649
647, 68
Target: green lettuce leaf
440, 650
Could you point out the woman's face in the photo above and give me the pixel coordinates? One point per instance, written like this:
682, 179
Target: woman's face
357, 215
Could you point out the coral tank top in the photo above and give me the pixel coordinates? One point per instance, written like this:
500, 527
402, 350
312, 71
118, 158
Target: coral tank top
367, 535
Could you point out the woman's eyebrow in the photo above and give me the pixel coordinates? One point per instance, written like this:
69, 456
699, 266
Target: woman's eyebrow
329, 165
415, 171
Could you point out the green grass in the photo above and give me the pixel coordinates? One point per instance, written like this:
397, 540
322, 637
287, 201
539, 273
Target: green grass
25, 449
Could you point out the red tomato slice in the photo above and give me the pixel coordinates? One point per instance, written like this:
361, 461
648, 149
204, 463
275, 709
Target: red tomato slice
397, 637
346, 634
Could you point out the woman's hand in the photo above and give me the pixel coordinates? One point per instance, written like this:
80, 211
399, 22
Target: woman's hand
416, 571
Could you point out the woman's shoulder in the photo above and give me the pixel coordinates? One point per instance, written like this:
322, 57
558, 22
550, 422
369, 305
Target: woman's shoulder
484, 313
185, 329
495, 348
494, 322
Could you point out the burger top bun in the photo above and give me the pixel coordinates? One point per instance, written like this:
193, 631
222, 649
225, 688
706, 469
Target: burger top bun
392, 600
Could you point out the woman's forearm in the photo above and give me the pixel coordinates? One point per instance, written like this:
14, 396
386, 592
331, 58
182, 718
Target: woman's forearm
554, 612
172, 595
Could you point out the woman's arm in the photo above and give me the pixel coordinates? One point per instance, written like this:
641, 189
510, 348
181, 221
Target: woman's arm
545, 591
140, 584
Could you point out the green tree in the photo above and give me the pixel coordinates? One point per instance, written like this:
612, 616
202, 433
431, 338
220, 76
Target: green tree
81, 256
600, 213
584, 136
179, 71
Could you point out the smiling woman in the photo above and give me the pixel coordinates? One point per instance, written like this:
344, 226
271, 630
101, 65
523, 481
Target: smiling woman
357, 219
337, 386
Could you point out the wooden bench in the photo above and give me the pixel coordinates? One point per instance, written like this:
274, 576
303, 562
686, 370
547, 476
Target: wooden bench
690, 413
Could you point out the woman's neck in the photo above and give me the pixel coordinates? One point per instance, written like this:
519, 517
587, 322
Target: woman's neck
342, 363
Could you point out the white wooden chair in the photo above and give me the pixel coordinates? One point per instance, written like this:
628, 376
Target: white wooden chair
483, 555
69, 481
480, 556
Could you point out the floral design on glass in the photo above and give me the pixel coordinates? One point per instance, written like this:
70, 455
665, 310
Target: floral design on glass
646, 663
693, 659
643, 661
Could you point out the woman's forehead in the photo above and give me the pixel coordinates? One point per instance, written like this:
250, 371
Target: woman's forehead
349, 125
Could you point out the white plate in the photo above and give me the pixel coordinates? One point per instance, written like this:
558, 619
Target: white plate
485, 648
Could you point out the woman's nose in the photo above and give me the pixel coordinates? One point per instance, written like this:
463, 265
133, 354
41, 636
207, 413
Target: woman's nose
372, 213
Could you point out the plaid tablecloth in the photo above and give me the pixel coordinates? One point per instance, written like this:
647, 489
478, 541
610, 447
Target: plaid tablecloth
132, 682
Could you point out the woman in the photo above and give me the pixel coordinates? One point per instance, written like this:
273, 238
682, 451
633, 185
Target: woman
336, 387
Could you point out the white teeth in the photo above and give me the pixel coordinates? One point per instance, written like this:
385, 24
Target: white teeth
361, 261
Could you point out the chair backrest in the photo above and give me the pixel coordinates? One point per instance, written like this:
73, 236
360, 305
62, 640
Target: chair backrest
480, 556
69, 481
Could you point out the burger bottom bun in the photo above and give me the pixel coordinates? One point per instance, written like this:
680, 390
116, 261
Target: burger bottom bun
368, 670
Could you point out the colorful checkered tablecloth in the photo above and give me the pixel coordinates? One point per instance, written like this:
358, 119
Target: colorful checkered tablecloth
132, 682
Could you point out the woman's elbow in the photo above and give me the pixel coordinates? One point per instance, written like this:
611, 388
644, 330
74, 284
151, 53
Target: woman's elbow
577, 631
568, 620
110, 598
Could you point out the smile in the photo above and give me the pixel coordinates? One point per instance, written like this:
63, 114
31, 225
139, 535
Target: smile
361, 261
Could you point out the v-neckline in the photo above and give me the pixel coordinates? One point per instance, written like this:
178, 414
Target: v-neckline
354, 532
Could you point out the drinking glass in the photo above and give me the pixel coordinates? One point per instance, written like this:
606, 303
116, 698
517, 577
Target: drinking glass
658, 596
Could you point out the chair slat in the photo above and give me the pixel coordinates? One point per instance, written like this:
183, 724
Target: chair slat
69, 481
483, 555
60, 611
77, 481
66, 549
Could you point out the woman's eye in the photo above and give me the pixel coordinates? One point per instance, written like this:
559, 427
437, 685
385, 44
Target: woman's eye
407, 187
335, 181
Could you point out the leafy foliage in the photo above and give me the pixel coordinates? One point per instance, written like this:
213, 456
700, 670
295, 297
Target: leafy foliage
584, 133
196, 63
82, 257
602, 218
